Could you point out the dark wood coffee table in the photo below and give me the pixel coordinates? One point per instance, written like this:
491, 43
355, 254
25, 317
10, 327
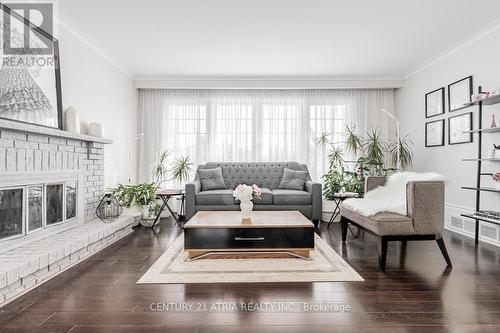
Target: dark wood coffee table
268, 234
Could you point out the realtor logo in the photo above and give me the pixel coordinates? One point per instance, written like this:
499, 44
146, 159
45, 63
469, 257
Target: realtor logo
27, 28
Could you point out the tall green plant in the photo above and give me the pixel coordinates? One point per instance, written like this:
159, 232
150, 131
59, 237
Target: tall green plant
375, 147
181, 169
405, 152
160, 170
354, 142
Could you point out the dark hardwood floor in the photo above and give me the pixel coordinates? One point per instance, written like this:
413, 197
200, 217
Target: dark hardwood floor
417, 294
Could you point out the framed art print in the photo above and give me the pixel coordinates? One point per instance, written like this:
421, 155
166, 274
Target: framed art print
434, 103
30, 79
459, 94
434, 133
457, 125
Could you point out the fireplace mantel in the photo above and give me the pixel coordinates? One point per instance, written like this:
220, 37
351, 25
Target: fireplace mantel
29, 128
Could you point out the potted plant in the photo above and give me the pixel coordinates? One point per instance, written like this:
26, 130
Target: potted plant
141, 196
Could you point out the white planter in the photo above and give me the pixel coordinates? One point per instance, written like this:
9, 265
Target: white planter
133, 211
497, 186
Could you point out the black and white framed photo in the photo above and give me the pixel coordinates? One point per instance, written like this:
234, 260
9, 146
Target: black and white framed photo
30, 79
434, 133
459, 94
458, 127
434, 103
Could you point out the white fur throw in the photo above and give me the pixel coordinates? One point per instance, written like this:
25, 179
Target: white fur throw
391, 197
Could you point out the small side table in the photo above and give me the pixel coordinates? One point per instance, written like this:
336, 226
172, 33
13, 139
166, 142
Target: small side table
338, 198
165, 196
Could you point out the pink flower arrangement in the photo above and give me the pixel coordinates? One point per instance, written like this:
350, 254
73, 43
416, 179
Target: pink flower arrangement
496, 177
258, 192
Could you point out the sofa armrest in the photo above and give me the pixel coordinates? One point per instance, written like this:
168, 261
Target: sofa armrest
373, 182
191, 189
425, 206
317, 199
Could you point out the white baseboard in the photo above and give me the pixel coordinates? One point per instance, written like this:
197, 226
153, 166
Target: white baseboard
488, 232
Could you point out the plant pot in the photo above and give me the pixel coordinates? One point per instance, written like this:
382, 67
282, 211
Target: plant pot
133, 211
328, 207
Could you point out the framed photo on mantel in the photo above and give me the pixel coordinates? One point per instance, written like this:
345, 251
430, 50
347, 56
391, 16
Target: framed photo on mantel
30, 79
434, 103
459, 94
434, 133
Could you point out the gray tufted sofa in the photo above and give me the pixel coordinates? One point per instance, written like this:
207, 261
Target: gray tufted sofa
267, 175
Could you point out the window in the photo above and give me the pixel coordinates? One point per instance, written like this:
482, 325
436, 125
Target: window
251, 130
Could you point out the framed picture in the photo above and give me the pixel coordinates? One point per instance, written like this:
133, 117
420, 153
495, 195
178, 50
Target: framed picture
459, 94
434, 103
434, 133
30, 79
457, 125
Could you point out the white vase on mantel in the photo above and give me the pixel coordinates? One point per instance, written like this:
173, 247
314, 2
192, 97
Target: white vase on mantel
72, 120
246, 207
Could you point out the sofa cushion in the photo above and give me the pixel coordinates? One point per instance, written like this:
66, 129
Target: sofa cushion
293, 180
382, 224
215, 197
211, 179
266, 198
291, 197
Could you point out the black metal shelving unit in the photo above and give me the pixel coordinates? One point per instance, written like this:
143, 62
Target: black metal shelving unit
479, 188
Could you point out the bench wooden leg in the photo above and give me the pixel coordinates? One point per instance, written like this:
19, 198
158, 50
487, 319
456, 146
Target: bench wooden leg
382, 252
442, 247
344, 224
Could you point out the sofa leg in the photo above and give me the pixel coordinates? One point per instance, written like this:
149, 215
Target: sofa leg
382, 253
344, 224
404, 243
442, 247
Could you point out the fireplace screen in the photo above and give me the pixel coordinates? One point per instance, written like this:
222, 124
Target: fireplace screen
70, 200
30, 208
35, 207
54, 203
11, 212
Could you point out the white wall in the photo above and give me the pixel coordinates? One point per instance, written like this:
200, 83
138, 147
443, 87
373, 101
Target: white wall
102, 93
482, 60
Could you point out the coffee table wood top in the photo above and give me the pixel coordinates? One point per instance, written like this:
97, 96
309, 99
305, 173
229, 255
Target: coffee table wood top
260, 219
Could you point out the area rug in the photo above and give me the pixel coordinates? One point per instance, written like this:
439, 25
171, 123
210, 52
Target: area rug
325, 265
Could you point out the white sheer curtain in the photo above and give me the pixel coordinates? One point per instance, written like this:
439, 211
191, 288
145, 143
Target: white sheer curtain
255, 125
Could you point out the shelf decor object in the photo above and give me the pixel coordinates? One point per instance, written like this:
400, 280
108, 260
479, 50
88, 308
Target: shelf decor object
459, 128
434, 103
459, 94
109, 209
480, 188
434, 133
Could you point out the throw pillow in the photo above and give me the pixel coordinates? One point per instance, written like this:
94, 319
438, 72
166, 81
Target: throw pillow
293, 179
211, 179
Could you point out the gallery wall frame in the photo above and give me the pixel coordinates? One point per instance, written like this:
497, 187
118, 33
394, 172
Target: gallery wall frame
434, 133
459, 94
434, 103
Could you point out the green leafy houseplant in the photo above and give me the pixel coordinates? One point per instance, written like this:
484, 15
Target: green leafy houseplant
374, 157
140, 195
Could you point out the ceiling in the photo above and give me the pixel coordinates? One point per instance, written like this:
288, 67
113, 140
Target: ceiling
357, 38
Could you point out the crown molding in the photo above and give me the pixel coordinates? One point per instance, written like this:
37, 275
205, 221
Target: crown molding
490, 28
267, 82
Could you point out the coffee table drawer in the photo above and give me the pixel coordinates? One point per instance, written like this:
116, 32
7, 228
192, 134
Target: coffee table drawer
248, 238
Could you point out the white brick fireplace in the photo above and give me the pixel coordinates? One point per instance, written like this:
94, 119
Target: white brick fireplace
51, 182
